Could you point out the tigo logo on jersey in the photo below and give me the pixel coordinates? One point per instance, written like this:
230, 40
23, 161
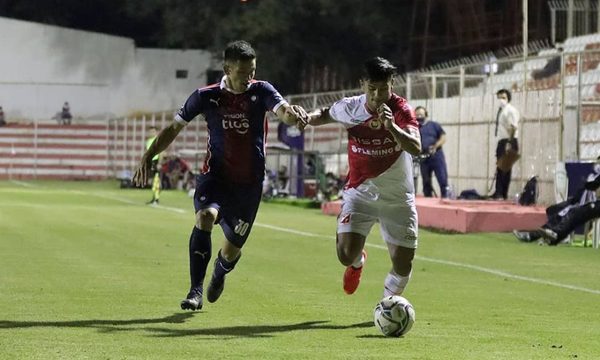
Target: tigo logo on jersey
236, 122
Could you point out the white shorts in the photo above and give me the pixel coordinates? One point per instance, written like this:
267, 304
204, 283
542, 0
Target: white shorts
397, 216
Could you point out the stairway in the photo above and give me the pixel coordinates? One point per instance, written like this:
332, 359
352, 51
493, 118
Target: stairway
51, 151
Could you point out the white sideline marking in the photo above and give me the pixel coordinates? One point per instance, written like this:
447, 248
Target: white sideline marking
272, 227
452, 263
126, 201
168, 208
377, 246
89, 193
511, 276
23, 183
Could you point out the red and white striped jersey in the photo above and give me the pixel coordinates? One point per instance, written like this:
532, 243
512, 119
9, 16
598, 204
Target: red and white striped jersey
372, 151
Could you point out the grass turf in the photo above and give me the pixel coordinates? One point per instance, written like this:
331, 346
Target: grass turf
89, 272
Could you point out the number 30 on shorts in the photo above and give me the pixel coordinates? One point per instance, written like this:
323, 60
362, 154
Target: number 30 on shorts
241, 228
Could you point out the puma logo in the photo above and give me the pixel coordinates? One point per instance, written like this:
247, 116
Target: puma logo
216, 101
203, 254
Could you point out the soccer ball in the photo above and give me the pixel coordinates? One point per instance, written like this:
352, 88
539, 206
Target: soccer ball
394, 316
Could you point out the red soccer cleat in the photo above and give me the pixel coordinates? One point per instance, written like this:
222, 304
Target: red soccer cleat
352, 276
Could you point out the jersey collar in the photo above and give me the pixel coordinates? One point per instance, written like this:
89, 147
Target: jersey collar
224, 86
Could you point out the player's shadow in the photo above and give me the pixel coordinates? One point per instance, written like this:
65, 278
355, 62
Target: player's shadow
177, 318
180, 318
255, 330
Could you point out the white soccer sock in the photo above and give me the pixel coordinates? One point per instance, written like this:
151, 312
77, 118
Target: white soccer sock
358, 263
394, 284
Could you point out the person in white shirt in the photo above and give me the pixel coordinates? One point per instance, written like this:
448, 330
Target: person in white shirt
507, 123
383, 133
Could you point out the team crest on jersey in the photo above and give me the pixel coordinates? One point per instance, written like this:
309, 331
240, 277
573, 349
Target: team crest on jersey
375, 124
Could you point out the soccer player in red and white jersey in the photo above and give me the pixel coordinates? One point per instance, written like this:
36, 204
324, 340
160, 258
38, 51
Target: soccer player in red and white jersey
382, 134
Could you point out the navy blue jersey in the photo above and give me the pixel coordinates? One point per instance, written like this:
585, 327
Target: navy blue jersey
237, 128
430, 134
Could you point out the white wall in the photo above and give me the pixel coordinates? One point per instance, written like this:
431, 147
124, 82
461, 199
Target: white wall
153, 85
42, 66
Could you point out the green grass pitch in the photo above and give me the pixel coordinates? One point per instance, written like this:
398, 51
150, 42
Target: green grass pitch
89, 272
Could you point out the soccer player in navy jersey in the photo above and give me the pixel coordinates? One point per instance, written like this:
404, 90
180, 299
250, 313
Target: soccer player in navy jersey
229, 188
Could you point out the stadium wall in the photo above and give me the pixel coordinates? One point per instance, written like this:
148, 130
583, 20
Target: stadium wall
43, 66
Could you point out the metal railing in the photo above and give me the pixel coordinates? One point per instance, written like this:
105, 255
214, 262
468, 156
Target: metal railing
573, 18
557, 94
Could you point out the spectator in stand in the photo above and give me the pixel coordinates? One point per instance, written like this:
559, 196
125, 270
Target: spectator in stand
551, 68
65, 114
2, 121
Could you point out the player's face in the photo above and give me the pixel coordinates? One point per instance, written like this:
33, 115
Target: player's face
240, 73
378, 92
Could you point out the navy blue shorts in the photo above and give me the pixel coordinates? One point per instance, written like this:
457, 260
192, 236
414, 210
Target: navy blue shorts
237, 205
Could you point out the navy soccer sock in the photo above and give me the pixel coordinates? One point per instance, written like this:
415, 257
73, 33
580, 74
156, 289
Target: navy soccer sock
223, 267
200, 248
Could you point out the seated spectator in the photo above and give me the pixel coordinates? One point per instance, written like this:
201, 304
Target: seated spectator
566, 216
283, 181
552, 67
333, 185
65, 114
2, 121
269, 190
175, 173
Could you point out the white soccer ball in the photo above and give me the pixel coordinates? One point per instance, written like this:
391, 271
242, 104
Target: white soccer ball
394, 316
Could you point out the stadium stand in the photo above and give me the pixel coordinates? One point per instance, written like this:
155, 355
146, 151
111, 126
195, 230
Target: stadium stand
50, 151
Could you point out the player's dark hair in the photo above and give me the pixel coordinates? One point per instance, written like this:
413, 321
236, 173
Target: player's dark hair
239, 50
422, 107
505, 91
378, 69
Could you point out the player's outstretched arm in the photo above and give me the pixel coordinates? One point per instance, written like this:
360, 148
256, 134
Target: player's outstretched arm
293, 115
162, 141
319, 117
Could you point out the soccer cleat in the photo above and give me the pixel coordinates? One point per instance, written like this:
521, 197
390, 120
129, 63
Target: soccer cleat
523, 236
215, 288
352, 276
550, 237
193, 301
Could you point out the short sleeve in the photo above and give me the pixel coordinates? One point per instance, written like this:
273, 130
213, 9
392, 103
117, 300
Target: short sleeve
514, 117
192, 107
273, 99
344, 110
405, 116
439, 129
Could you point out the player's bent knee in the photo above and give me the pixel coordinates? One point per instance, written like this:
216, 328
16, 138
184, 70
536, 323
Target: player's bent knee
206, 218
344, 258
349, 249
